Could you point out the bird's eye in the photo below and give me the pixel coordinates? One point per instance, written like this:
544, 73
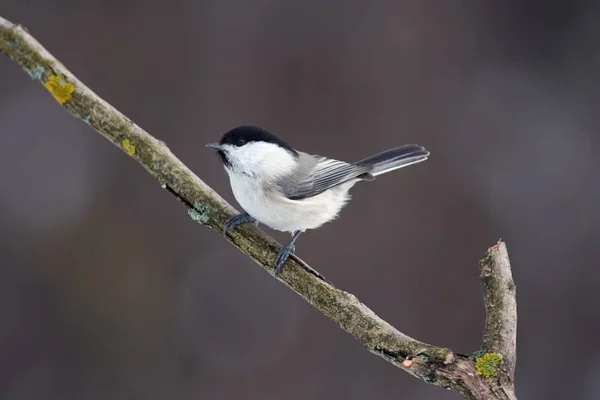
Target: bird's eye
240, 142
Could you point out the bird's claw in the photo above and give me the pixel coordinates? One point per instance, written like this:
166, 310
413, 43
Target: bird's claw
284, 253
282, 256
236, 220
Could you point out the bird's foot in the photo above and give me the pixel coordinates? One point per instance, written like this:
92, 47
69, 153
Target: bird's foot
236, 220
282, 256
284, 253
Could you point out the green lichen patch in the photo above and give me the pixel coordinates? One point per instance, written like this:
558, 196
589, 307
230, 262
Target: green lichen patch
200, 213
35, 73
478, 353
486, 364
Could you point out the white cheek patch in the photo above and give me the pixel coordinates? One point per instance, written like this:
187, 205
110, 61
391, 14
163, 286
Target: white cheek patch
267, 160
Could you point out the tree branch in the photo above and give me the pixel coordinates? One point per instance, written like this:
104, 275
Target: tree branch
435, 365
500, 332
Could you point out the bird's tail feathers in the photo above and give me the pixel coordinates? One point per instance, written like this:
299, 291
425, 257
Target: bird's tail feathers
395, 158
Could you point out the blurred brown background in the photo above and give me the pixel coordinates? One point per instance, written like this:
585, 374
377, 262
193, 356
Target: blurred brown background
109, 290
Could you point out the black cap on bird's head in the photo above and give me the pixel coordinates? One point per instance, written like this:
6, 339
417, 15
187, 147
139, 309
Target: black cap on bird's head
242, 135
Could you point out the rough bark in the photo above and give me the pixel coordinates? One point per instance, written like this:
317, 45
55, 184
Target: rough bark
500, 332
477, 377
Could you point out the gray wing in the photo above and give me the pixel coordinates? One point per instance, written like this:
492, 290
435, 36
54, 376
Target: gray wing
317, 174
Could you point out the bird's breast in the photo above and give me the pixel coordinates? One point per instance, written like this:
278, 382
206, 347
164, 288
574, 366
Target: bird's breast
271, 208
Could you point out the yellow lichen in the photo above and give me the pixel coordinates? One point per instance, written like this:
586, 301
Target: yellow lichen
486, 364
60, 89
128, 147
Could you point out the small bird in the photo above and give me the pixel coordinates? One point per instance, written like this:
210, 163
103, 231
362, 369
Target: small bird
292, 191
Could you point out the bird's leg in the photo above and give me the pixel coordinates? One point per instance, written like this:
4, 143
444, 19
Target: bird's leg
236, 220
284, 253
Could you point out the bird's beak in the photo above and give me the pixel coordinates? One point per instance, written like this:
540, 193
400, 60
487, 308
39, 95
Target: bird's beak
214, 146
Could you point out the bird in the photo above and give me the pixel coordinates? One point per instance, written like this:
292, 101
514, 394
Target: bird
292, 191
